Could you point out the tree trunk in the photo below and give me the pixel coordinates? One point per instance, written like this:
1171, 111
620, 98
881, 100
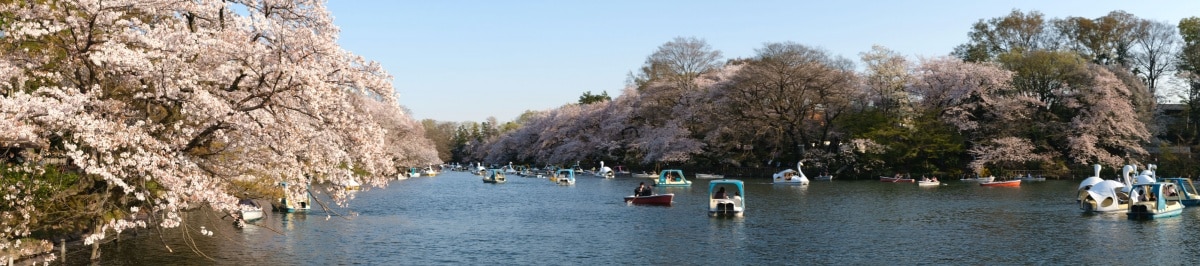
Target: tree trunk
96, 248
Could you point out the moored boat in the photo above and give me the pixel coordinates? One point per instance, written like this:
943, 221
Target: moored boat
720, 204
825, 177
1149, 201
645, 175
978, 179
1030, 177
1005, 183
621, 171
353, 185
897, 179
250, 210
672, 178
293, 201
709, 176
656, 199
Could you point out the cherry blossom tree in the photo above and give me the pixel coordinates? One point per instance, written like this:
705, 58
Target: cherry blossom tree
887, 73
167, 105
1005, 152
968, 95
1106, 129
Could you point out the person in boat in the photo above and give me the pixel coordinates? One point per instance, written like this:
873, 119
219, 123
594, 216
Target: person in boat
642, 190
720, 194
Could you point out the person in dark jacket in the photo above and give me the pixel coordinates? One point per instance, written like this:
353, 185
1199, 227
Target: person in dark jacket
642, 190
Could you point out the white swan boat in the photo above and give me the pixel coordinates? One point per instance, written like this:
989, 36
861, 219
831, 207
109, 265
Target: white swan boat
1099, 195
429, 171
605, 171
790, 177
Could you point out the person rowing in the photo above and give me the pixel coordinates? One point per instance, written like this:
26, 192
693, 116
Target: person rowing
642, 190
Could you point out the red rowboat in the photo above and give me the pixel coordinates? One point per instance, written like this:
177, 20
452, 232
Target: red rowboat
1009, 183
656, 199
896, 180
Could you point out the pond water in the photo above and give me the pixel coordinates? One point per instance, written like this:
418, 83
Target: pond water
455, 218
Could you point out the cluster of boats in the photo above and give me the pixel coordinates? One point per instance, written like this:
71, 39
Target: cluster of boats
1140, 196
720, 204
565, 176
985, 181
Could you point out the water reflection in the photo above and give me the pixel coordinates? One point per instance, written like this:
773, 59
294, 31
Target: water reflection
455, 219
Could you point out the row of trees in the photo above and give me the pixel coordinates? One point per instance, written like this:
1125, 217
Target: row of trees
114, 110
1024, 92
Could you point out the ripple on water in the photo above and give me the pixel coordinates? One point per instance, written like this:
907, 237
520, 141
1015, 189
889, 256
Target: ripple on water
455, 219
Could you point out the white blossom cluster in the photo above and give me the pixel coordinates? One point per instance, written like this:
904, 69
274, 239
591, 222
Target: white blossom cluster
167, 102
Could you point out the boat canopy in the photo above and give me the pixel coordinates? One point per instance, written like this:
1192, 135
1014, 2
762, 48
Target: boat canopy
566, 172
1185, 185
712, 186
1155, 189
671, 173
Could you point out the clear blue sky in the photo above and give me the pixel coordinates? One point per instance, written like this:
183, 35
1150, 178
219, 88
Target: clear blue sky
469, 60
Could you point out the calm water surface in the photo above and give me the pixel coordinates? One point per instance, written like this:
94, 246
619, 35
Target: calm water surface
456, 219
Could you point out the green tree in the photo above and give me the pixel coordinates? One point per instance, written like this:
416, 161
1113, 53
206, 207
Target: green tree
1189, 65
589, 98
1017, 31
442, 135
1104, 40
